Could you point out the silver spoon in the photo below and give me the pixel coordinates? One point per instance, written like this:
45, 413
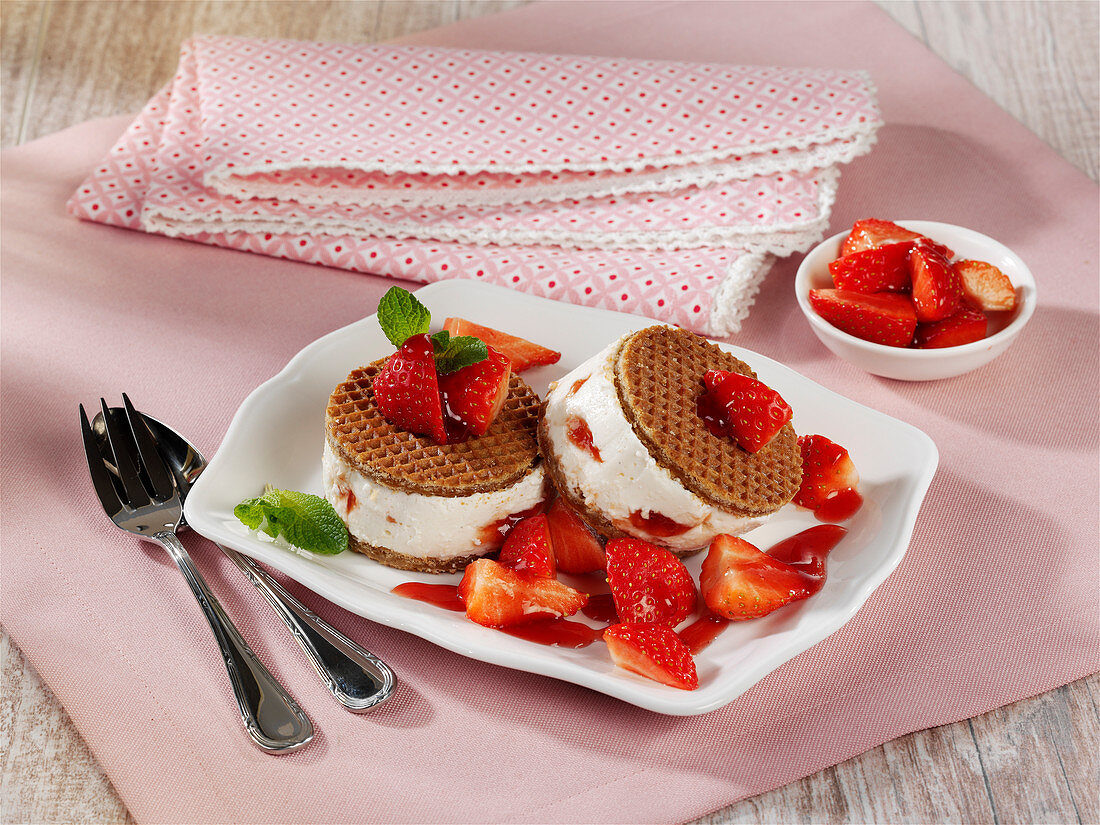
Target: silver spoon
358, 679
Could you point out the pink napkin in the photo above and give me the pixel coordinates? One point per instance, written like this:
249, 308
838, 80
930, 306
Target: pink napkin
297, 150
289, 106
996, 599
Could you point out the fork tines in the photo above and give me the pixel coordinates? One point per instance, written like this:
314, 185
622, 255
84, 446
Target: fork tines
97, 466
127, 468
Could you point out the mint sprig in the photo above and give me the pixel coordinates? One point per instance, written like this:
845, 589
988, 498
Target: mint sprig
401, 316
303, 519
452, 353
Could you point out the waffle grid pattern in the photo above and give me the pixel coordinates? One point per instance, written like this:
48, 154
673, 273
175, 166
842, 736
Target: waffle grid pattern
416, 464
660, 402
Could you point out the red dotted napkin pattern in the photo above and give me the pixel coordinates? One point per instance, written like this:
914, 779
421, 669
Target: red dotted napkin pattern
652, 187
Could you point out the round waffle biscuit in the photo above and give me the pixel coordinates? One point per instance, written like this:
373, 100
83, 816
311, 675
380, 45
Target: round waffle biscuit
364, 439
402, 561
659, 378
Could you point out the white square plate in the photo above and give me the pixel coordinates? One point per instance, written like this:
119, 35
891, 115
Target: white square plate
277, 435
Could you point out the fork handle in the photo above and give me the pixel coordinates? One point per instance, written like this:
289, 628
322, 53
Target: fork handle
271, 716
358, 679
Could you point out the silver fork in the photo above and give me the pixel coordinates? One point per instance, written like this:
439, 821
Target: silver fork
358, 679
138, 494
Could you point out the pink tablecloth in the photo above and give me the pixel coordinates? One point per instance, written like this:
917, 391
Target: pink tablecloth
996, 600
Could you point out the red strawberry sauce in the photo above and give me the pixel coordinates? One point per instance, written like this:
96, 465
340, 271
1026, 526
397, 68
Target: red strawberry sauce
702, 631
457, 429
441, 595
556, 633
553, 632
713, 414
657, 524
577, 430
601, 608
805, 551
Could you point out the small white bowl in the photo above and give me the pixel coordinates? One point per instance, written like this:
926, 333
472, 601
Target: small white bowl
922, 364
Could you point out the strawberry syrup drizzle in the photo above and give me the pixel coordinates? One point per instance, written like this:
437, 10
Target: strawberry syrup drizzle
594, 583
601, 608
577, 430
657, 524
805, 551
440, 595
713, 415
702, 631
556, 633
456, 428
553, 632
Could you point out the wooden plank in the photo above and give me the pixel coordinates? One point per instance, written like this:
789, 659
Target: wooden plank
932, 775
1037, 60
107, 58
1047, 745
47, 773
19, 41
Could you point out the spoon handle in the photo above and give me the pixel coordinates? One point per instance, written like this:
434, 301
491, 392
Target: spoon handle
358, 679
271, 716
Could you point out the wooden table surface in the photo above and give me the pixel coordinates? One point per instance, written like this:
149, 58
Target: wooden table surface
1034, 761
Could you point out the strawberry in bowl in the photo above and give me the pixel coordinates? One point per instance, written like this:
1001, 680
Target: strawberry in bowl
914, 300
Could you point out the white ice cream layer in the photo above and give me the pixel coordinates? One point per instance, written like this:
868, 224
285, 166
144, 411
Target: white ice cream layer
428, 527
627, 480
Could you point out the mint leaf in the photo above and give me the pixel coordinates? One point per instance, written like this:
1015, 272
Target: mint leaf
303, 519
401, 315
452, 353
441, 340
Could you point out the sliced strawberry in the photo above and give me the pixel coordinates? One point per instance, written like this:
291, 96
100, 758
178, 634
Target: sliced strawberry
407, 390
878, 269
527, 549
712, 378
576, 548
964, 327
827, 471
653, 651
473, 395
937, 291
882, 319
498, 596
749, 411
985, 286
648, 583
521, 352
740, 582
871, 232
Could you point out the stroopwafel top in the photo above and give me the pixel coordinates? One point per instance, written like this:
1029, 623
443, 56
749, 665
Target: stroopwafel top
659, 378
365, 440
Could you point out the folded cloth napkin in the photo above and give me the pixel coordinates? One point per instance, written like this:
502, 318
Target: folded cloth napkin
521, 169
